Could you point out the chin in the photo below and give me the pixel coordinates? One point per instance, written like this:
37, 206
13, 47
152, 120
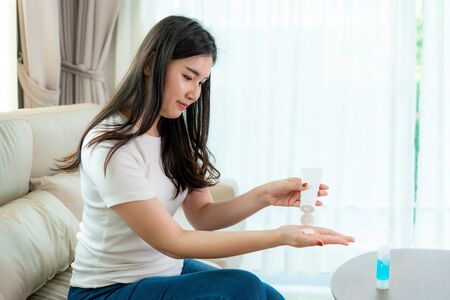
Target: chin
174, 115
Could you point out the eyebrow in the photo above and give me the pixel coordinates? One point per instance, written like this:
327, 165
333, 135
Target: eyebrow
197, 73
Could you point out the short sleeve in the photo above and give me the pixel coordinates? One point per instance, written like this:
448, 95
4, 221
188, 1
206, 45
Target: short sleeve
125, 178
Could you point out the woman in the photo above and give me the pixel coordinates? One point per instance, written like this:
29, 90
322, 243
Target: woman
144, 155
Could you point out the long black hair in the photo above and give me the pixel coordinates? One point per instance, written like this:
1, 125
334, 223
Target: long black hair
184, 152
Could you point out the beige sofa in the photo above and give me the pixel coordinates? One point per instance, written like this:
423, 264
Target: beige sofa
40, 211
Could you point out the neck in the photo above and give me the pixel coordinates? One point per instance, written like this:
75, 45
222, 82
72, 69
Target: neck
153, 131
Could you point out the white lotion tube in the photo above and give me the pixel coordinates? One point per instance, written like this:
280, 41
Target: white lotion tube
309, 196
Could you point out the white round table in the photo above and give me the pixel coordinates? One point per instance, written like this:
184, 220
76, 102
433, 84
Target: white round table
414, 274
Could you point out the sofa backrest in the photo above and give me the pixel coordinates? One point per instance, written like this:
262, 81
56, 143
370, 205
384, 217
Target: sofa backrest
30, 140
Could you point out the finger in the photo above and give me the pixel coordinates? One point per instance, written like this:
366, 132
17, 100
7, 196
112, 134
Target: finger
329, 232
329, 239
322, 193
349, 238
319, 203
315, 242
312, 239
326, 231
294, 179
304, 186
291, 200
295, 183
300, 187
323, 186
318, 242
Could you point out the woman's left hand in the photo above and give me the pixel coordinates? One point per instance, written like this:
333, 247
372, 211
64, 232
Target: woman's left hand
286, 192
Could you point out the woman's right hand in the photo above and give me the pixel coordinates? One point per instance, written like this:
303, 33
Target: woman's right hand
293, 235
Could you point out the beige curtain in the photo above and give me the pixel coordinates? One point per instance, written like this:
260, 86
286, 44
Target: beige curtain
65, 46
86, 31
39, 66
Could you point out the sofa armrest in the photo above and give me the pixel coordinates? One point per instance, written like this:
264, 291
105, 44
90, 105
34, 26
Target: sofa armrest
225, 190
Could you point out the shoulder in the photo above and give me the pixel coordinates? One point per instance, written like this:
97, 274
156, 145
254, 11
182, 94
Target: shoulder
92, 154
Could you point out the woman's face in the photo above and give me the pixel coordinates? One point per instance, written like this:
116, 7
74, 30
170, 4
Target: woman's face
183, 83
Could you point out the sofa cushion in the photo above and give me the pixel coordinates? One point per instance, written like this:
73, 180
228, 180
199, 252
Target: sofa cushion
65, 187
15, 141
37, 238
56, 133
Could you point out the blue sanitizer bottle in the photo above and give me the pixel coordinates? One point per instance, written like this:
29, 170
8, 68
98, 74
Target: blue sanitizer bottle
383, 268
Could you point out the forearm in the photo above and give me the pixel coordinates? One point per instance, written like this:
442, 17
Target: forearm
218, 244
218, 215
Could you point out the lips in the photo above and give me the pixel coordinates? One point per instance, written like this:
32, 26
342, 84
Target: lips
182, 105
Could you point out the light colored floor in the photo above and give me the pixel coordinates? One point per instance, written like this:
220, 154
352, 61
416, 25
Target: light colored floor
306, 294
300, 286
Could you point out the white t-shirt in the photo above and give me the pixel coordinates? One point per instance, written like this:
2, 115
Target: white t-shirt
108, 251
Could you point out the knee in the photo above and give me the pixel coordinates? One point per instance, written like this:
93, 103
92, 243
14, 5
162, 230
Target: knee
245, 285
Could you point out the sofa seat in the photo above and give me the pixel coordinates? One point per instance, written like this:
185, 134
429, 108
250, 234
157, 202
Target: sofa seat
56, 288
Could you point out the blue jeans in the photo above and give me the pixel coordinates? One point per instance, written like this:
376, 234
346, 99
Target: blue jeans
196, 281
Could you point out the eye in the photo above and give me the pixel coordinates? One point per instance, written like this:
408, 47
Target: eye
187, 77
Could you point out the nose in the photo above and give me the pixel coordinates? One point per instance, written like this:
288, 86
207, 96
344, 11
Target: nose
194, 93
